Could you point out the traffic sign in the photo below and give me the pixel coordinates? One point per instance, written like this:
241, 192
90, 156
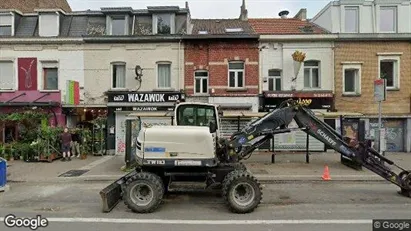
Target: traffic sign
380, 90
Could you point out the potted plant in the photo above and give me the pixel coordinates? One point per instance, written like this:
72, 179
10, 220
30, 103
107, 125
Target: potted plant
85, 146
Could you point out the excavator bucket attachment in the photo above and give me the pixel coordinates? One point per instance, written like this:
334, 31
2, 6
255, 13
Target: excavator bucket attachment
112, 194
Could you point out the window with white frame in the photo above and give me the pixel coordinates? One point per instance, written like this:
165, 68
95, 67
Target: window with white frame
201, 82
389, 69
352, 79
118, 25
236, 74
164, 75
388, 19
351, 19
118, 75
311, 74
50, 75
163, 23
6, 25
274, 80
7, 78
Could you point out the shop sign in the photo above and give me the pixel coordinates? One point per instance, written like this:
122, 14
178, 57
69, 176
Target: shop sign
144, 97
298, 94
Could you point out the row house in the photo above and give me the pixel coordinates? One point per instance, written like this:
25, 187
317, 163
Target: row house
134, 65
40, 56
373, 43
282, 78
221, 67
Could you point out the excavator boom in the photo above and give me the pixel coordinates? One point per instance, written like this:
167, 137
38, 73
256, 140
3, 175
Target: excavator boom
244, 142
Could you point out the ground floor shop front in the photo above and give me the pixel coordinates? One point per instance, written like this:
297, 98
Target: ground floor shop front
320, 102
155, 108
397, 135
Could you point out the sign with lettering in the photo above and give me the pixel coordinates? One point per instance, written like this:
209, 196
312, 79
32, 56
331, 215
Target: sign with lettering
298, 94
144, 97
312, 103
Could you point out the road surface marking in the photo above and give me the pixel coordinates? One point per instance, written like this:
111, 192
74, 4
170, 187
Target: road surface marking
201, 222
97, 162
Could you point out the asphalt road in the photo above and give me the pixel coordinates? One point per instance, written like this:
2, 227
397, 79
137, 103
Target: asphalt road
287, 206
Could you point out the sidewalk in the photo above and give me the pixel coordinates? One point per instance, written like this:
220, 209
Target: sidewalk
288, 167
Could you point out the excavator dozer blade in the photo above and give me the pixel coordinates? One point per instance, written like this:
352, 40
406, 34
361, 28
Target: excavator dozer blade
112, 194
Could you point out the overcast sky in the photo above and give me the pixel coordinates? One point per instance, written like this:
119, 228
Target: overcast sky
214, 8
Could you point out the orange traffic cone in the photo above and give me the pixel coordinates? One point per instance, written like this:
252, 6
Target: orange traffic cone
326, 174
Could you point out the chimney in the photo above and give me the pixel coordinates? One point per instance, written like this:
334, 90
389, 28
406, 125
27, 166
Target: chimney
283, 13
244, 12
302, 14
186, 5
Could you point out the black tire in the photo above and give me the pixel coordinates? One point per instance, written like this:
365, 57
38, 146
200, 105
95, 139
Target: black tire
151, 184
239, 166
233, 182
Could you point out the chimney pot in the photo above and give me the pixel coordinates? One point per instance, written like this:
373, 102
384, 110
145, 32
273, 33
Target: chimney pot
283, 13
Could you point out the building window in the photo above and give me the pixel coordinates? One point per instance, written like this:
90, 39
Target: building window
388, 19
119, 75
274, 80
351, 19
352, 80
236, 74
311, 74
6, 25
118, 25
7, 79
5, 30
201, 82
163, 23
390, 70
164, 75
50, 78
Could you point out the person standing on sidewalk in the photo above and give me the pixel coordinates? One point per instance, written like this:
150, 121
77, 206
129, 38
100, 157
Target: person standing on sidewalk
76, 144
65, 144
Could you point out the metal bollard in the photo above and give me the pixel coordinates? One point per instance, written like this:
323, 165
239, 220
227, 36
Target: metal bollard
3, 175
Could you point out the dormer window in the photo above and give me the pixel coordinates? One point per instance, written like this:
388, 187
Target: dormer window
6, 25
163, 23
49, 24
202, 32
118, 25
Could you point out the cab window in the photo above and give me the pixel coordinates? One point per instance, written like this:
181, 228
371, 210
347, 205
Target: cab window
196, 115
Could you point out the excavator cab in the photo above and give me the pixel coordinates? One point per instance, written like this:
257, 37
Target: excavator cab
198, 114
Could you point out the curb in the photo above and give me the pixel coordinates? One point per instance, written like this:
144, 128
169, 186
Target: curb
263, 178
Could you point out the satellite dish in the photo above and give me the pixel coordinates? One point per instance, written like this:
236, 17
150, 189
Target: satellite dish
139, 70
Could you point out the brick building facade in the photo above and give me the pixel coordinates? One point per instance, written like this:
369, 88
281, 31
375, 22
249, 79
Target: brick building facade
355, 75
354, 88
221, 67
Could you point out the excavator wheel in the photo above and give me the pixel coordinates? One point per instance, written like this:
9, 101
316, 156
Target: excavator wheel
241, 191
405, 177
144, 192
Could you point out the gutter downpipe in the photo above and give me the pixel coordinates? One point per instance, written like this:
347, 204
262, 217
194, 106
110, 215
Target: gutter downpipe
179, 65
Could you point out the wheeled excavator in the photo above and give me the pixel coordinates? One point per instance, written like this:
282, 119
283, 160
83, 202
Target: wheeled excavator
193, 151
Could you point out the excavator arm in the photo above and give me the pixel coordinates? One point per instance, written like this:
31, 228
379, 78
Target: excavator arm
244, 142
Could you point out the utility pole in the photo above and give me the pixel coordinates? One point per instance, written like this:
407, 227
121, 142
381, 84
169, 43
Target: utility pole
380, 94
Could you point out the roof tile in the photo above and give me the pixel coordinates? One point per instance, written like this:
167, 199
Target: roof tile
284, 26
219, 26
28, 6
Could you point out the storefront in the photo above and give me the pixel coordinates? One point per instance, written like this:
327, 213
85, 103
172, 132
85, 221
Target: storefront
149, 107
320, 102
13, 103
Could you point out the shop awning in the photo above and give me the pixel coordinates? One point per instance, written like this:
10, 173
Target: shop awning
29, 104
247, 114
244, 106
338, 114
